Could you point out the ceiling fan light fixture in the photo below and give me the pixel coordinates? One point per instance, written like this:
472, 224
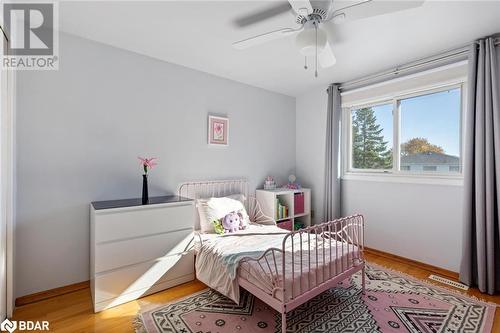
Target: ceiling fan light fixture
306, 41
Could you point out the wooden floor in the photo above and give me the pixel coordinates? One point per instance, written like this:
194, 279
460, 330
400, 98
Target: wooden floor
73, 312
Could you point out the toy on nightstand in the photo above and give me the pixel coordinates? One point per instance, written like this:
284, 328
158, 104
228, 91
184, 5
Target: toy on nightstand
292, 184
269, 183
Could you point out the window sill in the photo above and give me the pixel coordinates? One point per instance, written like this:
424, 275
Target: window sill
449, 180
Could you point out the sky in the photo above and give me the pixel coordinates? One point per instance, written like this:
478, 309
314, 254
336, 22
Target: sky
435, 117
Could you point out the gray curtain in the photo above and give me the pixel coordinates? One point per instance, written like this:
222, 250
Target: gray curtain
481, 248
332, 176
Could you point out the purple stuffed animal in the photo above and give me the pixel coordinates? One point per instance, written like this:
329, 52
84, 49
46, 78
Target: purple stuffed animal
243, 225
231, 222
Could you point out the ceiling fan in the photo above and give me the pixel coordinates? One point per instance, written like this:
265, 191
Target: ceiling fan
311, 37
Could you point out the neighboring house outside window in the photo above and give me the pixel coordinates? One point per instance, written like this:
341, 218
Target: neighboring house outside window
430, 161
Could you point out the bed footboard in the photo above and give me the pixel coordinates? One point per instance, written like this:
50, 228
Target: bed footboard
310, 261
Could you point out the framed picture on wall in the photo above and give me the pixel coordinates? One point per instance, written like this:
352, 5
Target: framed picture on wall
218, 131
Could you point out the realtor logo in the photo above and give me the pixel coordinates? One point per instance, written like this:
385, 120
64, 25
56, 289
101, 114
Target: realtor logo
31, 35
30, 27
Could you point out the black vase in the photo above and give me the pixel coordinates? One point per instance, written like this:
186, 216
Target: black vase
145, 195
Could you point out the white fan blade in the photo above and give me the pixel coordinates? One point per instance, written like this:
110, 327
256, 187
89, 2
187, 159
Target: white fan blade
264, 38
367, 8
326, 58
302, 7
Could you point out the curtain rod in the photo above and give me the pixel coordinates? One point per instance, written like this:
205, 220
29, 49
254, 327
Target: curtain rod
444, 58
408, 76
447, 57
495, 39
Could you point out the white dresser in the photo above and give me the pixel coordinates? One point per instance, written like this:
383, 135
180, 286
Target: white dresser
136, 249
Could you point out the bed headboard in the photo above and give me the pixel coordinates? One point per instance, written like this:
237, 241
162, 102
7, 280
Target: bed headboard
212, 188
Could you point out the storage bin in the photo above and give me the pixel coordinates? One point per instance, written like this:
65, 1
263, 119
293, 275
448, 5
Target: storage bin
287, 225
298, 203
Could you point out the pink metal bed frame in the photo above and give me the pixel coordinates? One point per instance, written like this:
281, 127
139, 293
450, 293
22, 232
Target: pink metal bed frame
346, 261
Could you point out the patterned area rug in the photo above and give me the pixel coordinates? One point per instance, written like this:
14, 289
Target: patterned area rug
393, 303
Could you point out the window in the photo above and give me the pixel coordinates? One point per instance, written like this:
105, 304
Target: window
429, 168
417, 134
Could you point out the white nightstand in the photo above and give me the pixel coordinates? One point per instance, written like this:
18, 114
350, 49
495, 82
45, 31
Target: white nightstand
136, 249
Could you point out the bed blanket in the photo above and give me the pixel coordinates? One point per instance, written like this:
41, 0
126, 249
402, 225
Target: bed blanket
218, 256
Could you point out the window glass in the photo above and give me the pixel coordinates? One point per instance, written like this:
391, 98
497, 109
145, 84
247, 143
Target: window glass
372, 134
430, 132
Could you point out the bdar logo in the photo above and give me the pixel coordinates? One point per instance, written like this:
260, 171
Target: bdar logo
24, 325
8, 325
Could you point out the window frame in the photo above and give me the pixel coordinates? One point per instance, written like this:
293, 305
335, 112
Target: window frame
396, 174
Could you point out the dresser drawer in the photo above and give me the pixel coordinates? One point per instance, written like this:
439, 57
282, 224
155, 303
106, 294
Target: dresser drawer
117, 224
130, 296
141, 276
112, 255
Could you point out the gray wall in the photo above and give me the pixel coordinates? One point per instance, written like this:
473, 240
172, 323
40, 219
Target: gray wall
80, 130
310, 148
418, 221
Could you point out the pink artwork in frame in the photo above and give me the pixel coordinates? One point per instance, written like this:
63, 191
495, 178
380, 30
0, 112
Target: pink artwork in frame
218, 131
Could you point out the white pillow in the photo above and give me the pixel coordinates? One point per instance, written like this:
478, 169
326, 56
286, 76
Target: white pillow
201, 204
216, 208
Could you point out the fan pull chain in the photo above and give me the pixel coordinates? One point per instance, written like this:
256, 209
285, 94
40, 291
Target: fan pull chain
316, 58
305, 62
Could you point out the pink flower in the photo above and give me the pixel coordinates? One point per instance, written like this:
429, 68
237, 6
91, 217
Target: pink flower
148, 163
218, 127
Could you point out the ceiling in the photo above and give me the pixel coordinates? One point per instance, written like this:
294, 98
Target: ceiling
199, 34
